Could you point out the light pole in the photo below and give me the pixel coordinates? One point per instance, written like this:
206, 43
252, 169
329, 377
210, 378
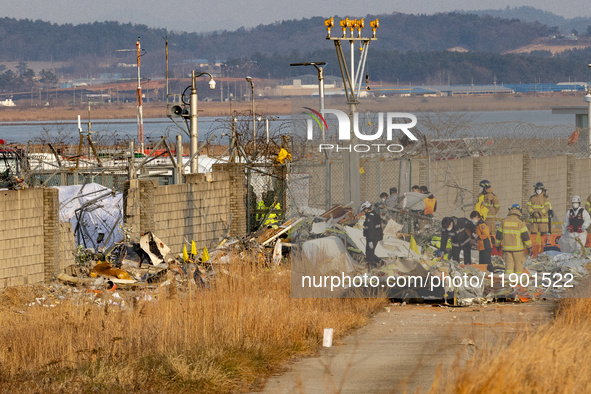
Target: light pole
327, 170
254, 132
320, 70
352, 84
194, 117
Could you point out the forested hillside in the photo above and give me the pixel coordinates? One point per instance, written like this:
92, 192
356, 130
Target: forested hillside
26, 40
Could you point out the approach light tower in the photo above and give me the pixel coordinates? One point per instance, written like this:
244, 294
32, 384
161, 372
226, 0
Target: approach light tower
352, 83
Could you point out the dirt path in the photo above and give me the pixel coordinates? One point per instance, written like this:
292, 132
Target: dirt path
405, 347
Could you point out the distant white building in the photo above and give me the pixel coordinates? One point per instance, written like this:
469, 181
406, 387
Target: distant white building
7, 103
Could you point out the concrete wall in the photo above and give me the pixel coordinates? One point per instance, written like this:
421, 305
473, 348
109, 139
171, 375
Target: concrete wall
198, 210
32, 240
21, 237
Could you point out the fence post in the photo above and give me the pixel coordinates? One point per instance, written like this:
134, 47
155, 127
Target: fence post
476, 175
526, 184
570, 179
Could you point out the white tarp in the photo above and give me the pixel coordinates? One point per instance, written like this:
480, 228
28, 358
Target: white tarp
108, 211
411, 198
390, 247
333, 253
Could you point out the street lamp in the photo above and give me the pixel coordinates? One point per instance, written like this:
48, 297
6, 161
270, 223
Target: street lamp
193, 117
254, 133
320, 70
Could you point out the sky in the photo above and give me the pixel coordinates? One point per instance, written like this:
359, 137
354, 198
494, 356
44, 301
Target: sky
201, 16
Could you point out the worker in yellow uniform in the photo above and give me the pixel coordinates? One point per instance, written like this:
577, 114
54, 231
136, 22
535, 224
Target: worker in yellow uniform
491, 202
514, 237
268, 202
539, 209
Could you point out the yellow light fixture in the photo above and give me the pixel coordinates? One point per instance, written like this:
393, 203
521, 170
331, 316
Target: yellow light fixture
345, 23
374, 25
329, 23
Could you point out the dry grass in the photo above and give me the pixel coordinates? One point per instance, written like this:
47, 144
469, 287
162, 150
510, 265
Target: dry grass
219, 340
554, 358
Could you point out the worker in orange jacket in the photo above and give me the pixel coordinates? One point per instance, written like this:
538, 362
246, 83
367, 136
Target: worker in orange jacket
484, 242
430, 203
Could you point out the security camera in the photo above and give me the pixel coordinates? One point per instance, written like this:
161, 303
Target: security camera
211, 84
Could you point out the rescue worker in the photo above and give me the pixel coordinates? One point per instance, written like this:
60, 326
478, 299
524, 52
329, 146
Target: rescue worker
576, 221
539, 209
460, 231
514, 237
430, 204
269, 202
392, 200
415, 189
372, 231
483, 240
491, 202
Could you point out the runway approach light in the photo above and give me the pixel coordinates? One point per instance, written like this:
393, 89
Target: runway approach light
345, 23
329, 23
374, 25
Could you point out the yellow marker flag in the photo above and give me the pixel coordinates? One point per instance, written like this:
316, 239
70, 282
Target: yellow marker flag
185, 255
480, 208
361, 170
205, 255
193, 248
413, 245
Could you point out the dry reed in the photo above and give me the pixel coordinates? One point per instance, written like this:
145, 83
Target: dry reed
554, 358
222, 339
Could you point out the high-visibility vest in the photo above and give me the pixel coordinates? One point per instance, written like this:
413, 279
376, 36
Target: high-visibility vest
430, 206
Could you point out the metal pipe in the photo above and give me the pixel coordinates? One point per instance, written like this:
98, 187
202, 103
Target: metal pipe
267, 129
179, 159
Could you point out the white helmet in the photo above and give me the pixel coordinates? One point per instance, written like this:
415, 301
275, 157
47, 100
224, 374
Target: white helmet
365, 205
576, 199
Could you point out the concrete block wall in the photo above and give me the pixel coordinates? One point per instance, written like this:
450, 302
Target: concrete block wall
21, 237
236, 196
67, 246
198, 210
582, 182
461, 173
51, 233
551, 171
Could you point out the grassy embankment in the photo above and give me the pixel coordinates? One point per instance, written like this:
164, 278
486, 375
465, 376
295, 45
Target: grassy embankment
200, 341
553, 358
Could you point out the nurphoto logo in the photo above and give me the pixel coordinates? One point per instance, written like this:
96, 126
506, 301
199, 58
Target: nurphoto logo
391, 119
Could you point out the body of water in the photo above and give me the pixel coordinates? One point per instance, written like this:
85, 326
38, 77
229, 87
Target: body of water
21, 132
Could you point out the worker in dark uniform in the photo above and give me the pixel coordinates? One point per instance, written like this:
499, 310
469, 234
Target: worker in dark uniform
372, 231
460, 231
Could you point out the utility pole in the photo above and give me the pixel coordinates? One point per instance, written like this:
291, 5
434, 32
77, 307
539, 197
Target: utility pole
352, 84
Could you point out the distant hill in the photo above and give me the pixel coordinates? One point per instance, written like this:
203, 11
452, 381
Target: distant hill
531, 14
27, 40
